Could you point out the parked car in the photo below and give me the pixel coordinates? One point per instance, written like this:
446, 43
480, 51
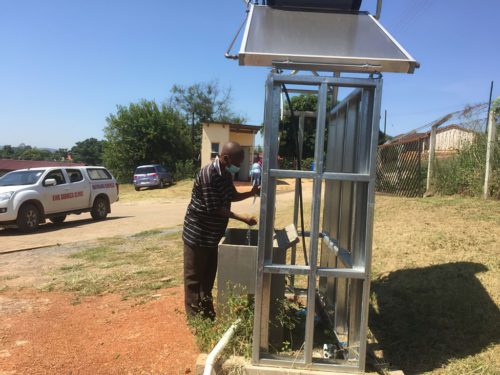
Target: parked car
154, 175
30, 196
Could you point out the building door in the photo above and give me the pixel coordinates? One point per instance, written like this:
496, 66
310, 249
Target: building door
244, 173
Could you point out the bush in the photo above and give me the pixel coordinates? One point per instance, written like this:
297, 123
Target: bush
208, 333
184, 169
464, 173
290, 163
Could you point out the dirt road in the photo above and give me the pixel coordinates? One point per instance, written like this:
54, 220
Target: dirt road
128, 217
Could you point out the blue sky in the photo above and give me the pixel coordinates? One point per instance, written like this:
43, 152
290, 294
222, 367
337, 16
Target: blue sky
65, 65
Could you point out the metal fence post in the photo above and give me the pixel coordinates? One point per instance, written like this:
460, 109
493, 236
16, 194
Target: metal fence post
490, 150
432, 157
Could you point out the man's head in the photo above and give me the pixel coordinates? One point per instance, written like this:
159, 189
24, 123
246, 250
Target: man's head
231, 155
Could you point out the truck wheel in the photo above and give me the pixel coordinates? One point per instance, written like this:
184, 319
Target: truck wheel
162, 184
58, 219
28, 218
99, 209
137, 188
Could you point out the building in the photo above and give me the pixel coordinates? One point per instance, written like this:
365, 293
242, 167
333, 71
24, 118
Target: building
9, 165
449, 138
216, 134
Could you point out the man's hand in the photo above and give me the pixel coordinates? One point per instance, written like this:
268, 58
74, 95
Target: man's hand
250, 220
255, 190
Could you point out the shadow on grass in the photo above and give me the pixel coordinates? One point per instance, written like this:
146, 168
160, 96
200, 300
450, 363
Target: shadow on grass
424, 317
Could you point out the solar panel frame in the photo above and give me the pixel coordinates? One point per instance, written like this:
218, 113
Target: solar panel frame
321, 41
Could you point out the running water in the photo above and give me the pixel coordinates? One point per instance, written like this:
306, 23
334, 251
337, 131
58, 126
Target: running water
249, 236
249, 230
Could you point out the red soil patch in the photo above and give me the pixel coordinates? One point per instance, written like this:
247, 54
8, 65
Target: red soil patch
43, 333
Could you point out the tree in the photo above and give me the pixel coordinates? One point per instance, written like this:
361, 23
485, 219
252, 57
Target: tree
60, 154
144, 133
8, 152
30, 153
203, 102
289, 126
88, 151
496, 110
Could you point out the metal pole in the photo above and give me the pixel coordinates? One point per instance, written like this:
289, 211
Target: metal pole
296, 198
432, 157
385, 124
490, 148
379, 9
489, 106
315, 216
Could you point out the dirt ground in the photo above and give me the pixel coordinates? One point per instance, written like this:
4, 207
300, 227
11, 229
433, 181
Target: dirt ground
47, 333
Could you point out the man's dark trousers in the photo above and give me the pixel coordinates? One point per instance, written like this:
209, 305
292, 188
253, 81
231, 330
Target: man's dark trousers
200, 268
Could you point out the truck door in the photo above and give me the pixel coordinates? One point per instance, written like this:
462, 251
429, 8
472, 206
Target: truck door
56, 198
79, 189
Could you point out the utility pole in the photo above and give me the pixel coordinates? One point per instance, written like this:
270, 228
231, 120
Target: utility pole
490, 147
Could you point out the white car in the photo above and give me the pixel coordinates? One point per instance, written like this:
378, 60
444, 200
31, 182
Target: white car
30, 196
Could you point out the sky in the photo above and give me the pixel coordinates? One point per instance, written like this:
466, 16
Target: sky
66, 65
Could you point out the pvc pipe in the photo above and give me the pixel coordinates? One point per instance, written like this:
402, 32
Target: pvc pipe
214, 354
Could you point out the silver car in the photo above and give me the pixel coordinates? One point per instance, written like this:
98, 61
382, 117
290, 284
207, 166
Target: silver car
154, 175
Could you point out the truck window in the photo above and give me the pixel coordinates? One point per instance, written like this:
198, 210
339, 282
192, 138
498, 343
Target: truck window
20, 178
98, 174
56, 175
75, 175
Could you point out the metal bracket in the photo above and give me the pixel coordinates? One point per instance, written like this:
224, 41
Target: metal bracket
228, 55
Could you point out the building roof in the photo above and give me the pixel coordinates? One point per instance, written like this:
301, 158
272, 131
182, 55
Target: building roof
13, 164
239, 128
416, 136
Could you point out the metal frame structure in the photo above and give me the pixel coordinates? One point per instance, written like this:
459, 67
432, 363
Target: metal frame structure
263, 43
339, 247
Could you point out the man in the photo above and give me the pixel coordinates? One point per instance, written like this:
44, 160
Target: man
205, 223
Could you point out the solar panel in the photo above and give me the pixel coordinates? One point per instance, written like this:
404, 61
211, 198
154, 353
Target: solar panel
324, 41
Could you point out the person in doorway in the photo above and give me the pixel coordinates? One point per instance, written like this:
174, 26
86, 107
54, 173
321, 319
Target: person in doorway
256, 172
205, 223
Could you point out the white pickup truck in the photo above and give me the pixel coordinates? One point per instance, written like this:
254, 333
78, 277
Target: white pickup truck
30, 196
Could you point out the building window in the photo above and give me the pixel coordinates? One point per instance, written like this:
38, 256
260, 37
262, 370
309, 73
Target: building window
215, 150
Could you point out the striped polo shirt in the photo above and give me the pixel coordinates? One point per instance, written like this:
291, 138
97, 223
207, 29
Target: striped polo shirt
212, 190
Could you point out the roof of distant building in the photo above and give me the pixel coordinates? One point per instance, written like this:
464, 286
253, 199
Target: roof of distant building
14, 164
240, 128
416, 136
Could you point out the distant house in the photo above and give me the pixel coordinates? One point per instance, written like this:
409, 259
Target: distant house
9, 165
449, 138
216, 134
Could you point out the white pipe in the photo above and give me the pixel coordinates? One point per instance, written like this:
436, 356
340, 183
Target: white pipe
214, 354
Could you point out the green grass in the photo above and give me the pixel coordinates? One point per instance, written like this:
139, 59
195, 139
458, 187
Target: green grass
132, 267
